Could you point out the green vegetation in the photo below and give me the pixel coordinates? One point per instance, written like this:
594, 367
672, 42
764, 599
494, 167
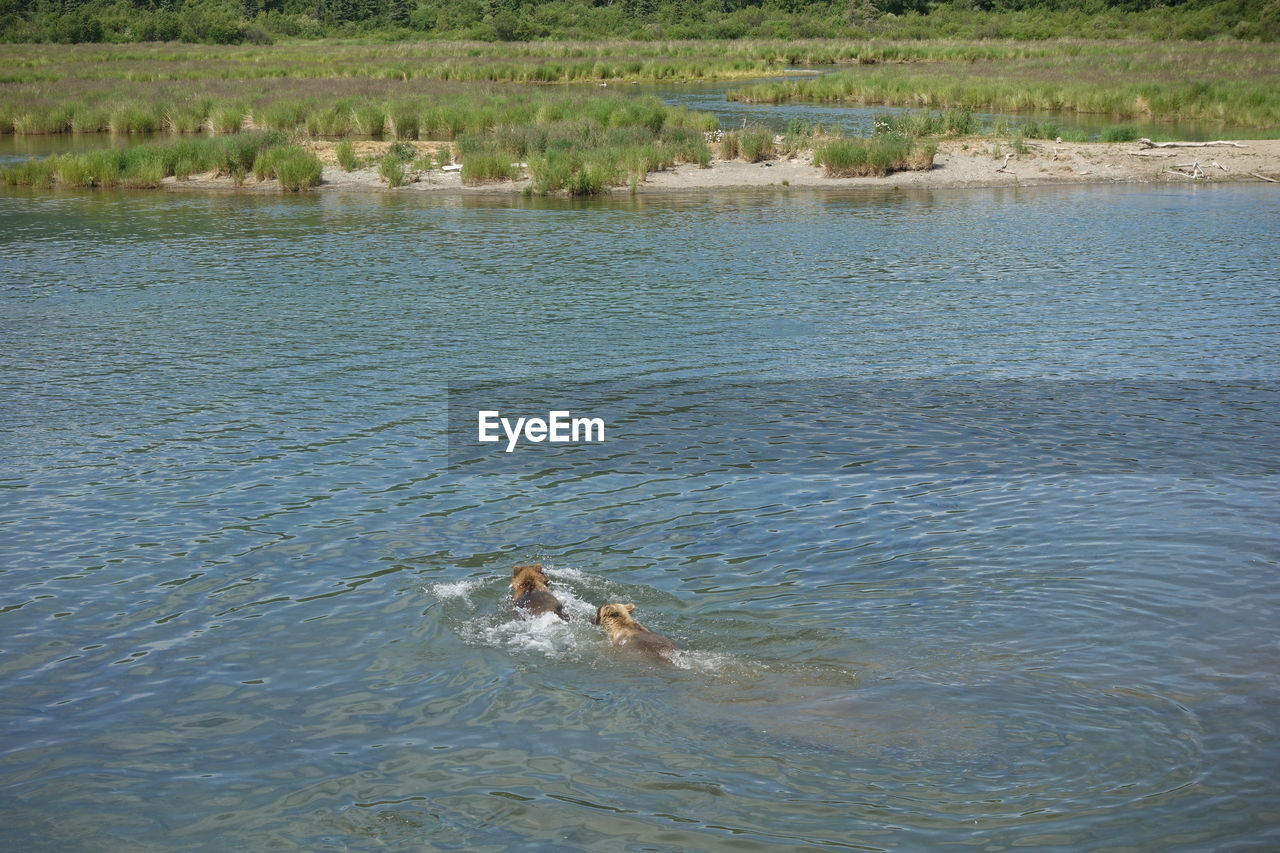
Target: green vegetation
1222, 83
756, 143
883, 155
954, 122
266, 155
581, 141
295, 168
346, 154
391, 168
488, 166
729, 148
442, 90
262, 21
1119, 133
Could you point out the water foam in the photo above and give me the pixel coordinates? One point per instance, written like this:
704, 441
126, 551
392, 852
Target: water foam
457, 589
545, 634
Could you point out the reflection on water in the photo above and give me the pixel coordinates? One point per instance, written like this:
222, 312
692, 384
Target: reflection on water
247, 601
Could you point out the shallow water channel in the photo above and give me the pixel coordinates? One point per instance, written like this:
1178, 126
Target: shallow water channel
961, 505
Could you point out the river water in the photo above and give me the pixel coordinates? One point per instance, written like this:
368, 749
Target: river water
961, 506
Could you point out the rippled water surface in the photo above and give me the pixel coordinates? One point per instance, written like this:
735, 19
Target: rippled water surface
961, 507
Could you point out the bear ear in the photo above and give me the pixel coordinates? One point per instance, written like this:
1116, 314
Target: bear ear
631, 608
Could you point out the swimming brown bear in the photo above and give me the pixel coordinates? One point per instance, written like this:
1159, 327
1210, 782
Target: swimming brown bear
532, 595
626, 633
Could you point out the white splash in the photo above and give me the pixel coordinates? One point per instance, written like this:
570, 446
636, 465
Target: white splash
703, 662
545, 634
457, 589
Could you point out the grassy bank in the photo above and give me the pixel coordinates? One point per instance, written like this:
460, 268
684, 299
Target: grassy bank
1234, 84
578, 141
407, 90
264, 155
536, 62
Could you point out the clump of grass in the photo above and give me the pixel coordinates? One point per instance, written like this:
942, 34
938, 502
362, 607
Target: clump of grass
104, 167
551, 171
187, 157
404, 120
914, 124
1047, 129
402, 151
444, 156
592, 178
391, 170
334, 120
281, 115
850, 158
729, 146
31, 173
73, 171
133, 118
88, 118
799, 136
756, 143
346, 154
235, 155
295, 168
185, 117
1119, 133
266, 154
227, 118
369, 120
696, 151
143, 168
484, 167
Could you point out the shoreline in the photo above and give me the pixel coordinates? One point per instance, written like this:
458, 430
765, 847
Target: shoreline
972, 163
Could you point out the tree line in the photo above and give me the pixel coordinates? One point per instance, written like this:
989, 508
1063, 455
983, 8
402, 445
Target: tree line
264, 21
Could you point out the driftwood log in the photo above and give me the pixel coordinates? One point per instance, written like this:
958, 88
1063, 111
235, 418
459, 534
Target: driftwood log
1147, 143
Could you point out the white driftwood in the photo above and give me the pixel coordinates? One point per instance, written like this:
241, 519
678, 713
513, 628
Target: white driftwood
1004, 165
1147, 143
1263, 178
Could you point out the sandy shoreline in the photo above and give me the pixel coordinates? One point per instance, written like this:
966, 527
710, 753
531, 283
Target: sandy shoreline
960, 163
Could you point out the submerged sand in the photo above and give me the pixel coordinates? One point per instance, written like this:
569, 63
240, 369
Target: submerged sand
959, 163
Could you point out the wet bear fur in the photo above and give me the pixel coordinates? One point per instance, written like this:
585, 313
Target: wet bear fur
532, 595
628, 634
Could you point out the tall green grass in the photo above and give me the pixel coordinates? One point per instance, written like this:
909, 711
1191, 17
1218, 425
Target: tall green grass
265, 154
392, 165
346, 154
488, 166
611, 137
295, 168
884, 155
756, 143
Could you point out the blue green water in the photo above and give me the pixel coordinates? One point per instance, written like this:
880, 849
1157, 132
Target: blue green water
961, 505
